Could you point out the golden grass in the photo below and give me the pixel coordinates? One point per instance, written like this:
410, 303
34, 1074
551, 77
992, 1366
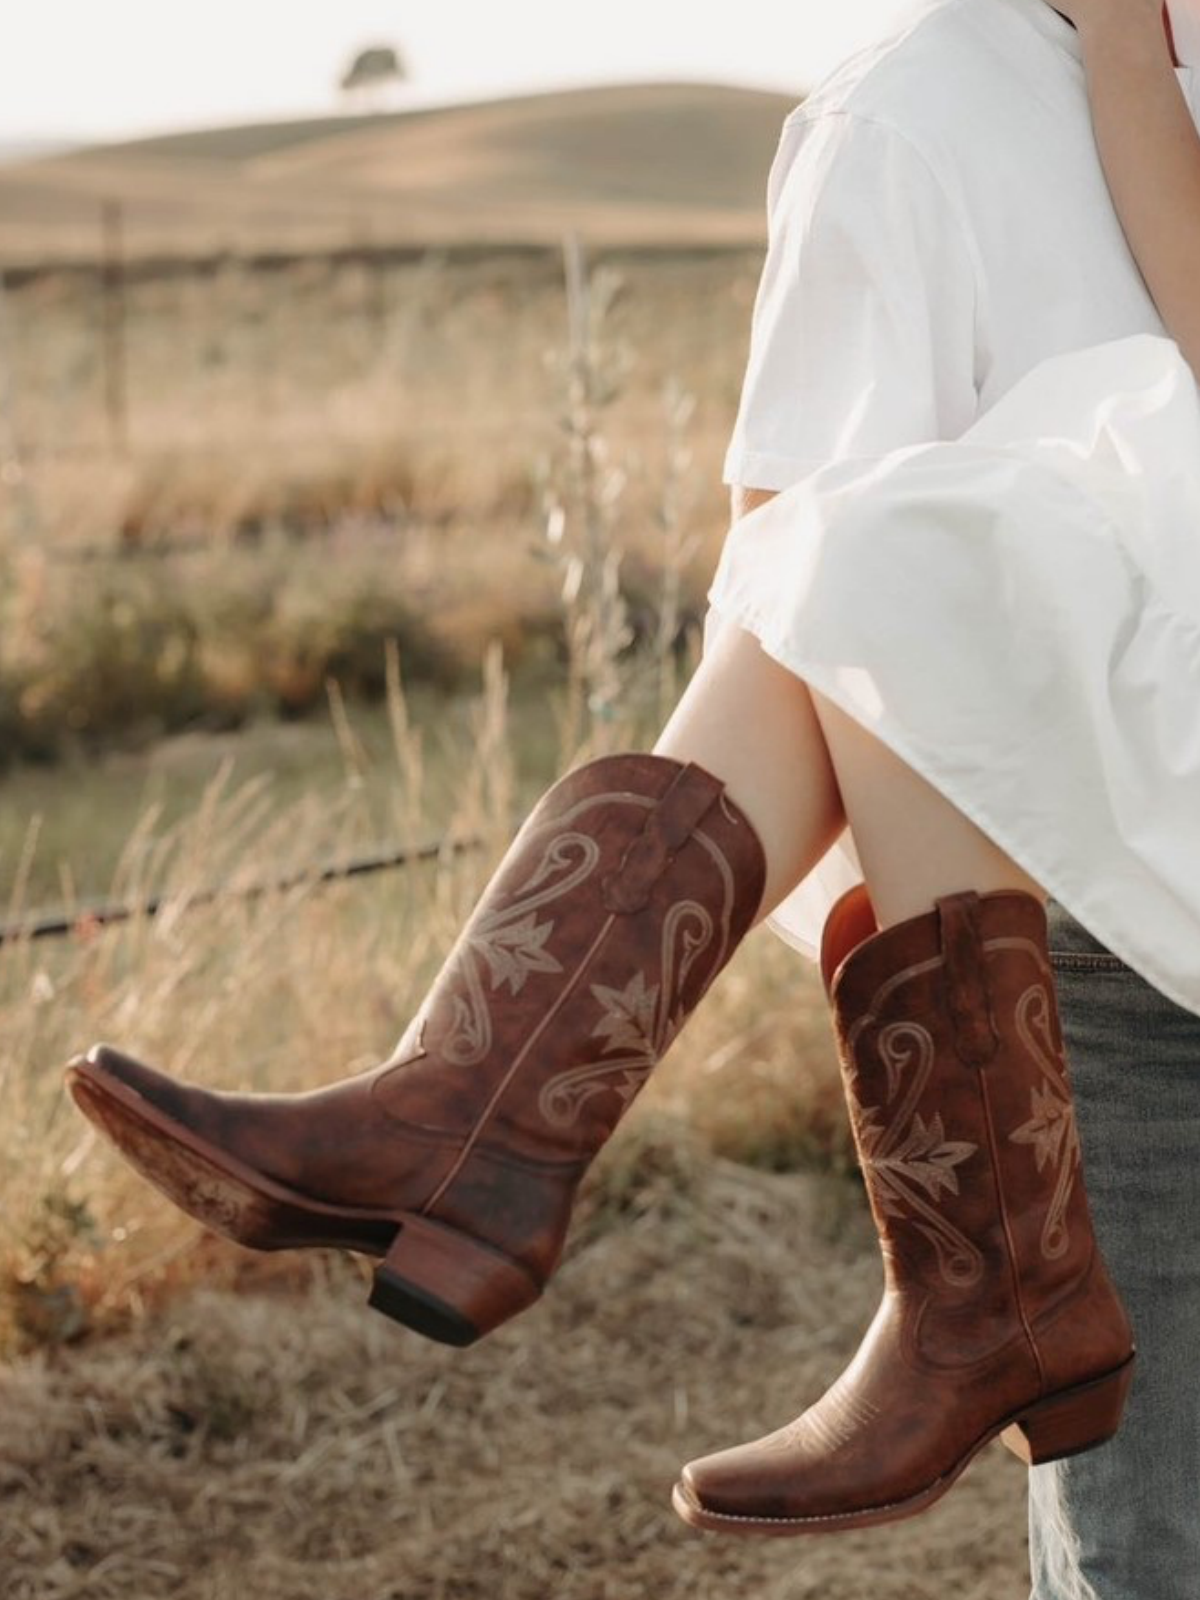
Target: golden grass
297, 988
300, 1448
264, 1434
263, 1431
225, 991
424, 395
374, 478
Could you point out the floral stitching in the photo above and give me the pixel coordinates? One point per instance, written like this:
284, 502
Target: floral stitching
510, 943
639, 1020
1051, 1130
909, 1161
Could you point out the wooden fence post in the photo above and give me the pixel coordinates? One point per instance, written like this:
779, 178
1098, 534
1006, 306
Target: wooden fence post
115, 343
14, 479
374, 283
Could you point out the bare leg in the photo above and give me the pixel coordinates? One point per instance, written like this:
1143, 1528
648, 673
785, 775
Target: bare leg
751, 723
914, 845
800, 768
588, 950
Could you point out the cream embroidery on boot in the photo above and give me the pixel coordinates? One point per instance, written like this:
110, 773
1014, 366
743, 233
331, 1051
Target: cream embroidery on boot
911, 1162
830, 1424
510, 943
1051, 1130
639, 1020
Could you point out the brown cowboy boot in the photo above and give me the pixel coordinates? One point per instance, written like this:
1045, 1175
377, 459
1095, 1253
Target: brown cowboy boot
623, 896
998, 1316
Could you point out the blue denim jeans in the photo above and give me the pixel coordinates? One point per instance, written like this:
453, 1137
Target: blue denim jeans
1123, 1522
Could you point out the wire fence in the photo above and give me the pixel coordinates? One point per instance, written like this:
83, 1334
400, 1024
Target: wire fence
109, 272
61, 923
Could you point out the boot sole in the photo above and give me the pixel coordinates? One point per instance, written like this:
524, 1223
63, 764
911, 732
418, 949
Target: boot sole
440, 1283
1061, 1425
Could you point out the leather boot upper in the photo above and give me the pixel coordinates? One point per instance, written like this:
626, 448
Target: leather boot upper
994, 1292
620, 900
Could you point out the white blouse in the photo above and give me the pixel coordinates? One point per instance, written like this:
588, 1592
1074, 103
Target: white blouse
941, 232
1017, 615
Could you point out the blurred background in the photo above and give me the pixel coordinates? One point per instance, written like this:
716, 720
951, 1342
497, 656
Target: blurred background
365, 376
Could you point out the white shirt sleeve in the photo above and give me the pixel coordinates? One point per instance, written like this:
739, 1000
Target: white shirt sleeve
864, 330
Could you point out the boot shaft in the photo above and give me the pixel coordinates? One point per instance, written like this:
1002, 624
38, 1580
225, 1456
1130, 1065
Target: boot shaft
960, 1100
622, 897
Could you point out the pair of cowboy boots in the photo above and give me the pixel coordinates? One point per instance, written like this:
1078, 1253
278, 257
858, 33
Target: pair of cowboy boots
456, 1162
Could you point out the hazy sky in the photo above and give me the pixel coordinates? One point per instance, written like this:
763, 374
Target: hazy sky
115, 67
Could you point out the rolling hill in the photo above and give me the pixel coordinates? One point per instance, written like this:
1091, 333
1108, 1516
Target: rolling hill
631, 165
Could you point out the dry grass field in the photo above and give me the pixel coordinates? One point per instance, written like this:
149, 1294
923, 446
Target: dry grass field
182, 1419
307, 547
332, 468
428, 390
304, 1449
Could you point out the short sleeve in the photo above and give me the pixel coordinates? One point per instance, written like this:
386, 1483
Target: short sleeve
864, 331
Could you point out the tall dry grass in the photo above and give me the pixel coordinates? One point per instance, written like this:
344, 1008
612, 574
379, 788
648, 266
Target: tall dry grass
284, 1443
293, 988
331, 461
298, 987
297, 1448
427, 391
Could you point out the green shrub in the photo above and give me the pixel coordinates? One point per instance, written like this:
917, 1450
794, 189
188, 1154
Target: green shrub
124, 653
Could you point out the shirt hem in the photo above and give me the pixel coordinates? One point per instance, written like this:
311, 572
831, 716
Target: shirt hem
1045, 873
753, 469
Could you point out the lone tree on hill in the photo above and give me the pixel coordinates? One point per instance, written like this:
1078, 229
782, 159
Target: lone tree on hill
373, 77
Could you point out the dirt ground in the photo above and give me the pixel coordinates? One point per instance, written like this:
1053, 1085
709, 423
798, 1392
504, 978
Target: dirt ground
293, 1446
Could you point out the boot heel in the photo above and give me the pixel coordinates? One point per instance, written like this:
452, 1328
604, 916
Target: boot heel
1076, 1420
446, 1285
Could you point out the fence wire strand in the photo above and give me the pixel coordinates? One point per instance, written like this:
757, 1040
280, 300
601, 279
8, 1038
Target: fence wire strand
61, 923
